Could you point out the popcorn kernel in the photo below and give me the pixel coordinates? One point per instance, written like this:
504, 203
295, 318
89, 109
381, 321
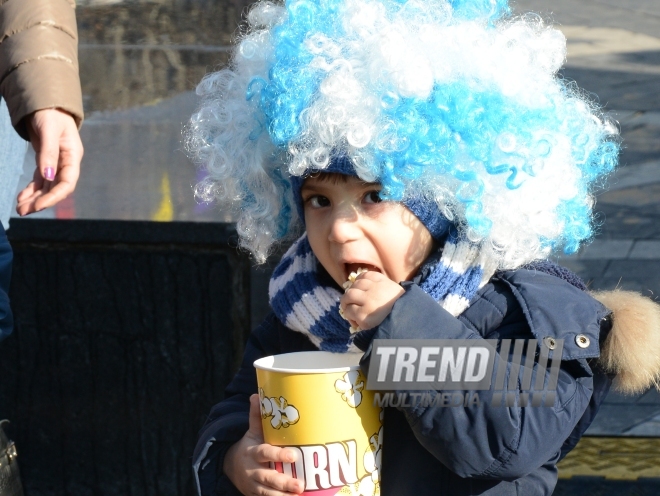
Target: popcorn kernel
352, 277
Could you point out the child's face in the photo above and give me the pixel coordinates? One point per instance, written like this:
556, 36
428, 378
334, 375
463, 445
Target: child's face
349, 227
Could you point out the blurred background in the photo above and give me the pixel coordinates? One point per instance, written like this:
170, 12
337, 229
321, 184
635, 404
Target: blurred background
141, 60
139, 64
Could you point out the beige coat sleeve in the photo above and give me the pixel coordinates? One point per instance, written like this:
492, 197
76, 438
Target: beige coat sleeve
39, 58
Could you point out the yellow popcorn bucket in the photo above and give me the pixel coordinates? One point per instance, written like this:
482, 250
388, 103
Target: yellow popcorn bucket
316, 404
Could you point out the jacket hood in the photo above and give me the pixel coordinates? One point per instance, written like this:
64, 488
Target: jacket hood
557, 309
632, 348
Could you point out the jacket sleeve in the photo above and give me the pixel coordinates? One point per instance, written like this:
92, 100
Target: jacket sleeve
228, 420
483, 441
39, 59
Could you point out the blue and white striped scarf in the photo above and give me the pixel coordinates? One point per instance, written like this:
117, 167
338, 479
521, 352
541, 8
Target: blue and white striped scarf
304, 302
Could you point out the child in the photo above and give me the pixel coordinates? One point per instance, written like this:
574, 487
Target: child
430, 143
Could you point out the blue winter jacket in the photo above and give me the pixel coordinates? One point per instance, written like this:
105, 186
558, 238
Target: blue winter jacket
432, 450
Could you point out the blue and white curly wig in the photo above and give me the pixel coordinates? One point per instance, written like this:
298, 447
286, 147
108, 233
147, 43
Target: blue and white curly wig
455, 100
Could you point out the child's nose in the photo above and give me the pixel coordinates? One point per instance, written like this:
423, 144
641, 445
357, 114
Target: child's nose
345, 227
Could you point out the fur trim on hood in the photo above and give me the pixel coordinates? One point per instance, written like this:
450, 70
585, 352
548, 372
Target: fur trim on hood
632, 348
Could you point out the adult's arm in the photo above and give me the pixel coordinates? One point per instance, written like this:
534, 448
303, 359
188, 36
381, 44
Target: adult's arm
39, 80
39, 59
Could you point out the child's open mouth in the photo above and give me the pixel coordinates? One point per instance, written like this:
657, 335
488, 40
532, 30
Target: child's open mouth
352, 270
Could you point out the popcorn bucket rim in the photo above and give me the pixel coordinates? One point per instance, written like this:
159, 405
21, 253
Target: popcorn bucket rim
309, 362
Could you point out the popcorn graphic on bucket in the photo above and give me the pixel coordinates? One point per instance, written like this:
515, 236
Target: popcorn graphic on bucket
316, 403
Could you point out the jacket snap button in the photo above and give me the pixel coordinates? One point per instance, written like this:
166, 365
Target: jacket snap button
582, 341
550, 342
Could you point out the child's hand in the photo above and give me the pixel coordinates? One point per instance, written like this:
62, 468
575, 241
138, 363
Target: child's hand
246, 462
370, 299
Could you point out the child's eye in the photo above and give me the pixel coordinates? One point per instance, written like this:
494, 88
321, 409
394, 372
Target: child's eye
317, 201
373, 197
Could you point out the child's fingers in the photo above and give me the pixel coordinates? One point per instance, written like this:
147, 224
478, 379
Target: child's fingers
352, 305
256, 429
261, 490
265, 453
278, 483
369, 300
356, 315
354, 296
361, 285
370, 281
370, 275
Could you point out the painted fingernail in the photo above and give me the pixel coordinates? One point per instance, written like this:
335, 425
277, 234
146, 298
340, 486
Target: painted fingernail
49, 173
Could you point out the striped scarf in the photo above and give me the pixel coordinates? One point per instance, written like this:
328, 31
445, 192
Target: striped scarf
305, 301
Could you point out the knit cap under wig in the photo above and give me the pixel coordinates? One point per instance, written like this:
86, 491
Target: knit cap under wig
454, 102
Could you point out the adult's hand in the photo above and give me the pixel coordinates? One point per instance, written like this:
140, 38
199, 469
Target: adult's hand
56, 142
